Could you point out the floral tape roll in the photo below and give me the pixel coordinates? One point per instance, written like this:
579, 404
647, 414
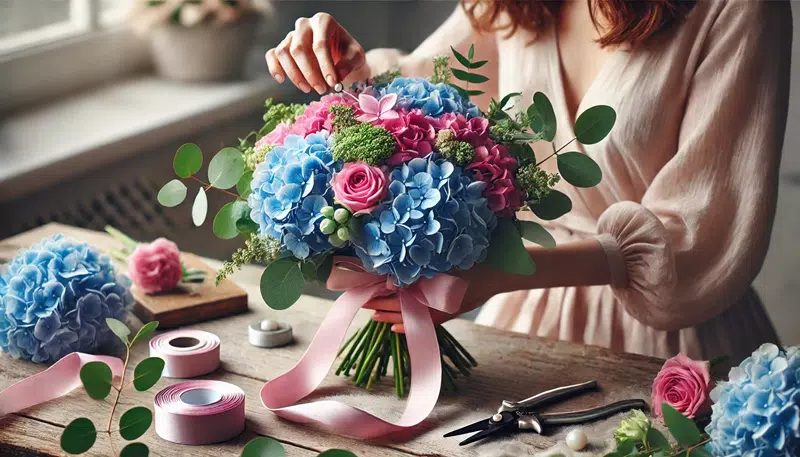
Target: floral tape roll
187, 353
199, 412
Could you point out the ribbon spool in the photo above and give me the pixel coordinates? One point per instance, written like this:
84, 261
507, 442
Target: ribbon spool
187, 353
199, 412
269, 338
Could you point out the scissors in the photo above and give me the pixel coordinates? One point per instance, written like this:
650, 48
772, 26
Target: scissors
524, 414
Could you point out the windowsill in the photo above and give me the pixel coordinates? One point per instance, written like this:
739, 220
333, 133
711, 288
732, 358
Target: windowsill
45, 145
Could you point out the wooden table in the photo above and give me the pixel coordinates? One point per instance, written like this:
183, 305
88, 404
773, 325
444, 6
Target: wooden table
512, 366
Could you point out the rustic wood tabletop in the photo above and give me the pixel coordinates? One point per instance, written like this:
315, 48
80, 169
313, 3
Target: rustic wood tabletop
511, 366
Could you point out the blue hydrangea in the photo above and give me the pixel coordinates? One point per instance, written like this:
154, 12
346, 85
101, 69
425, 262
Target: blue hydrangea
434, 220
290, 188
757, 412
433, 99
55, 298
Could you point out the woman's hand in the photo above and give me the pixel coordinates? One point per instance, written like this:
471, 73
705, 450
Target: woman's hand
318, 53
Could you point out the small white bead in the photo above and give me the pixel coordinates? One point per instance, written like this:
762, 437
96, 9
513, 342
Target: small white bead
268, 325
338, 87
577, 439
497, 418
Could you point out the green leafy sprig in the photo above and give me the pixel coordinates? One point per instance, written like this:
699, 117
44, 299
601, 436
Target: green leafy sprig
81, 434
467, 76
268, 447
637, 437
256, 248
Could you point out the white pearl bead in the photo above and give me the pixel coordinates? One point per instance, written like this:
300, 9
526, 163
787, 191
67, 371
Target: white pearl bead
338, 87
268, 325
577, 439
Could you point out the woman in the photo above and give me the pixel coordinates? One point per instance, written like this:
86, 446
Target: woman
660, 256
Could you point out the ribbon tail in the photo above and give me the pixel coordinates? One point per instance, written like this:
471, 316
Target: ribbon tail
60, 379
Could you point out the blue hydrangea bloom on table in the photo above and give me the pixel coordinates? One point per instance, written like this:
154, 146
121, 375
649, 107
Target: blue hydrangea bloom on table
757, 412
54, 299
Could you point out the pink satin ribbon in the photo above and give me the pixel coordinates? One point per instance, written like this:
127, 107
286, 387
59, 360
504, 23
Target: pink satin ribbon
60, 379
443, 292
199, 423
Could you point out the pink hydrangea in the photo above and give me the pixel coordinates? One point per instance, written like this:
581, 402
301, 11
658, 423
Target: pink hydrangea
317, 115
474, 131
156, 267
494, 165
276, 136
415, 135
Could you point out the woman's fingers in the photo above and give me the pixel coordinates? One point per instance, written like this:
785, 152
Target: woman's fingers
275, 68
389, 317
301, 51
289, 66
324, 37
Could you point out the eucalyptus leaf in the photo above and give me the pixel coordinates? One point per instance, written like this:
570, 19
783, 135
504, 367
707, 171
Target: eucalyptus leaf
246, 226
337, 453
188, 160
226, 218
594, 124
119, 328
200, 208
474, 78
681, 427
527, 137
656, 439
135, 450
172, 194
78, 436
145, 331
542, 117
460, 57
324, 270
147, 373
625, 447
282, 284
523, 152
700, 452
555, 205
263, 447
226, 168
534, 232
243, 186
135, 422
504, 101
579, 169
506, 251
96, 378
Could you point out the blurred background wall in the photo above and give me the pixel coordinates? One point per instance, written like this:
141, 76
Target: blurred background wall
87, 132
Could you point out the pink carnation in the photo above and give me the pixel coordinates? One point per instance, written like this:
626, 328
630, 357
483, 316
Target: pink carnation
276, 136
317, 115
359, 187
415, 135
156, 267
684, 384
474, 131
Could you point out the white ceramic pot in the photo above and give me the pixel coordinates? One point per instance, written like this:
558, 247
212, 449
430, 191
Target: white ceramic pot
204, 52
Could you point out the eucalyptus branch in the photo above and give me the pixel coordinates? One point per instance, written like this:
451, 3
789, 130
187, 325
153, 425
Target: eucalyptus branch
121, 386
555, 151
210, 186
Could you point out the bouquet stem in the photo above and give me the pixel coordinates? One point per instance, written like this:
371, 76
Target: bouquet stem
370, 350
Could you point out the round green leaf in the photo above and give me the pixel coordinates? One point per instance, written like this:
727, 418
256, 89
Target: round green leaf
534, 232
506, 251
555, 205
243, 186
337, 453
79, 436
226, 168
135, 450
594, 124
172, 194
245, 225
96, 378
145, 331
681, 427
147, 373
263, 447
282, 284
542, 117
135, 422
120, 329
657, 439
579, 169
200, 208
226, 218
188, 160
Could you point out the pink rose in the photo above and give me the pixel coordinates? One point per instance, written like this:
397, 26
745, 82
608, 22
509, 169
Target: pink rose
684, 384
415, 137
276, 136
359, 187
156, 267
474, 131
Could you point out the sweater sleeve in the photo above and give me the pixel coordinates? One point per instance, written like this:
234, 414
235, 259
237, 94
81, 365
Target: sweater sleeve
698, 238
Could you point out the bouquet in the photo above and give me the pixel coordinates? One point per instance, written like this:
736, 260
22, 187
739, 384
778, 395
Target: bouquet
403, 180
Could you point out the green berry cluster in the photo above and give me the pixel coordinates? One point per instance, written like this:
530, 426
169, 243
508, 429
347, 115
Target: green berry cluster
366, 143
441, 70
458, 152
535, 182
343, 117
336, 224
255, 155
275, 113
506, 130
256, 249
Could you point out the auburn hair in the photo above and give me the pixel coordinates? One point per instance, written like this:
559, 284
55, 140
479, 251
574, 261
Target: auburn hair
628, 22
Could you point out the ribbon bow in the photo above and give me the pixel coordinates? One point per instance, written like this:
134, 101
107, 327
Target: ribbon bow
443, 292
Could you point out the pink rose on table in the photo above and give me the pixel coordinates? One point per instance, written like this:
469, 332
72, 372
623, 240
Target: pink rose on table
684, 384
156, 267
359, 187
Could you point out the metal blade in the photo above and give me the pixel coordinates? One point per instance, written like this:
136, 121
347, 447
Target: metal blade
485, 433
477, 426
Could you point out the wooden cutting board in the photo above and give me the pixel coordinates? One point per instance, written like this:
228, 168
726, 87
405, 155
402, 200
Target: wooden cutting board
201, 302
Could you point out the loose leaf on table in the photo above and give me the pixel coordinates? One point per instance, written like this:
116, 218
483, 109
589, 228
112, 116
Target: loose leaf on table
282, 283
579, 169
542, 117
188, 160
226, 168
263, 447
172, 194
534, 232
656, 439
120, 329
681, 427
96, 378
145, 331
555, 205
243, 186
135, 450
147, 373
506, 251
594, 124
200, 208
474, 78
337, 453
79, 436
226, 218
134, 422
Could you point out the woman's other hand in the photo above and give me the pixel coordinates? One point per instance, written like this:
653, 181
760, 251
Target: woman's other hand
317, 54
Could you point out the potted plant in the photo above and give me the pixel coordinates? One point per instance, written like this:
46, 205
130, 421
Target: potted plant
199, 40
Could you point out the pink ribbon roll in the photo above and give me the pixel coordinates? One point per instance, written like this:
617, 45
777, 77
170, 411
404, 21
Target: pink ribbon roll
187, 353
443, 292
199, 412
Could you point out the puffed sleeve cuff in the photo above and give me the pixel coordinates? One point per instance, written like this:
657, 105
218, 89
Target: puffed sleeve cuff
641, 262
